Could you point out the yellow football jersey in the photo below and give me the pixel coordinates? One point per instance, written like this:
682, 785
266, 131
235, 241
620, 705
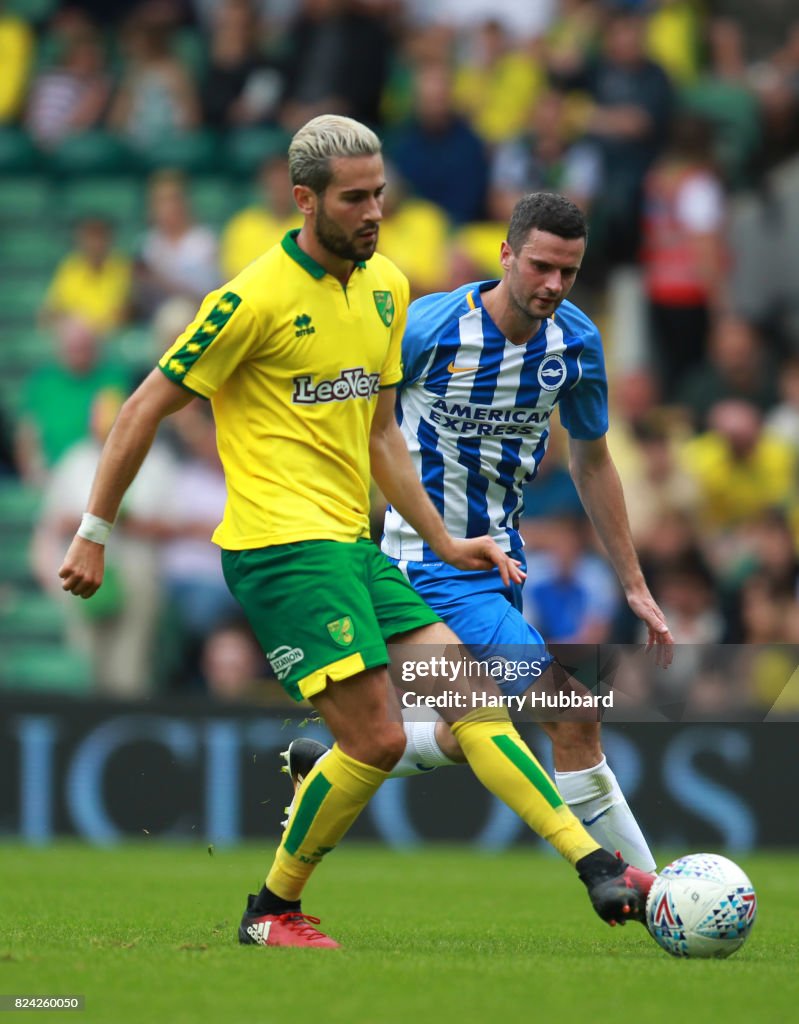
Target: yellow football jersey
292, 362
98, 295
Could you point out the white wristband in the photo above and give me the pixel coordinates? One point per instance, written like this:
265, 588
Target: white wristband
94, 528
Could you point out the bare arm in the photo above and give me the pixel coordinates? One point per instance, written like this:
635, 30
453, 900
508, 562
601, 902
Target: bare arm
396, 477
46, 546
123, 453
597, 482
28, 453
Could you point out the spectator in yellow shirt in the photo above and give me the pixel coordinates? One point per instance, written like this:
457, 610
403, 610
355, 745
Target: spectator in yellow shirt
92, 282
673, 31
741, 470
253, 230
414, 234
16, 54
497, 88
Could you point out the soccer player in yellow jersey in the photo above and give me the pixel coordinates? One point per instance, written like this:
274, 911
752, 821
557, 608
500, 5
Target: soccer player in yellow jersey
299, 354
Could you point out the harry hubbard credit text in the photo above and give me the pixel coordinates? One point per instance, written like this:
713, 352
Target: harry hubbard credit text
499, 669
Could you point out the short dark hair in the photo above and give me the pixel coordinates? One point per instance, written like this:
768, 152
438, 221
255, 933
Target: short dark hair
546, 211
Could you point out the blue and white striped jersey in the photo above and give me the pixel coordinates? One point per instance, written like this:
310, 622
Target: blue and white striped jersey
475, 411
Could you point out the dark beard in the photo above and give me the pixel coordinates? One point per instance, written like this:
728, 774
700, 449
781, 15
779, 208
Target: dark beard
331, 237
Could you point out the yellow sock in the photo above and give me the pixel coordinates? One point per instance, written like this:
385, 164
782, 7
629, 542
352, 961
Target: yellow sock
332, 796
502, 761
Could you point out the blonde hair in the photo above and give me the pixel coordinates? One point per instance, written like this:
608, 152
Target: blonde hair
322, 139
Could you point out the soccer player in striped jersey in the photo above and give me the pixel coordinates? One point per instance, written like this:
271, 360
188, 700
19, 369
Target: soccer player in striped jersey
299, 355
484, 368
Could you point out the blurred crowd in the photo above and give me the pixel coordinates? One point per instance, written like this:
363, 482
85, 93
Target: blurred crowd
674, 124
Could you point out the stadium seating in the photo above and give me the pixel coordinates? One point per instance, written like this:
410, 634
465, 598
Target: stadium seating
21, 297
118, 198
36, 251
24, 198
192, 152
15, 559
31, 617
17, 153
93, 152
23, 349
56, 669
18, 503
31, 622
9, 394
215, 199
246, 149
133, 347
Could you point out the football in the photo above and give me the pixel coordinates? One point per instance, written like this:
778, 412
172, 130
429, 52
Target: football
702, 905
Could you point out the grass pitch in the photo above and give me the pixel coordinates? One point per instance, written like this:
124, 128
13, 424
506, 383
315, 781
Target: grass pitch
147, 933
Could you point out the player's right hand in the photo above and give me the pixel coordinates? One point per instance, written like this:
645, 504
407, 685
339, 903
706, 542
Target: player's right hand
659, 636
482, 553
84, 564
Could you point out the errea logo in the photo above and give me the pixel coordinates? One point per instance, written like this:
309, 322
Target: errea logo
354, 383
302, 324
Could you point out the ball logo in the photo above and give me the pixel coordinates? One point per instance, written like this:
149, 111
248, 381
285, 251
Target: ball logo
552, 372
750, 903
662, 914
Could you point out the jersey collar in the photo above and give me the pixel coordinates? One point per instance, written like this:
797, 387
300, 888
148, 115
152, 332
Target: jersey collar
474, 299
307, 262
474, 296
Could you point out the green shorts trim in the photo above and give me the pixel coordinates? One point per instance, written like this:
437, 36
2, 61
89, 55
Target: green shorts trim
323, 609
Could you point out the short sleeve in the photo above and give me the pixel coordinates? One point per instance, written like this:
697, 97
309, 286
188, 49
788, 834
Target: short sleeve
391, 372
584, 409
222, 335
418, 341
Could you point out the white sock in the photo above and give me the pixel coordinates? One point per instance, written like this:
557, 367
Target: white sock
595, 797
422, 752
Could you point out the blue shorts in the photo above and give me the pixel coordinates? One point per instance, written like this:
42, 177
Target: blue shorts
486, 615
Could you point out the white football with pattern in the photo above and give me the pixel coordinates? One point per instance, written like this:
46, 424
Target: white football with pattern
702, 905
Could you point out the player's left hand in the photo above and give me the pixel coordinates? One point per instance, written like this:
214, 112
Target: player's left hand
659, 636
483, 553
83, 568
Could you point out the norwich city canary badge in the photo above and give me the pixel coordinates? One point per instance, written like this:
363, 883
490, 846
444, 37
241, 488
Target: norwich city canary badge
342, 631
385, 306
